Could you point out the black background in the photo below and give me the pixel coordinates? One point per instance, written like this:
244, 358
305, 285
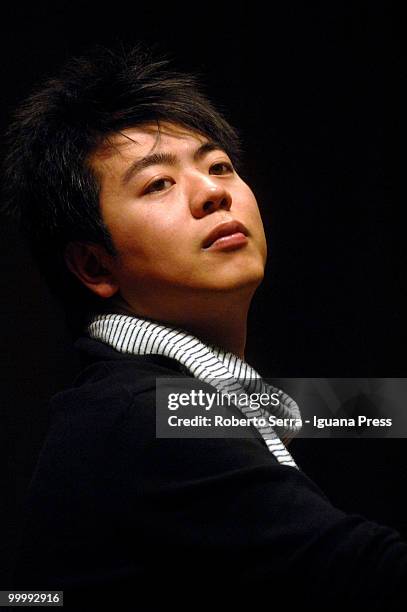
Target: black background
312, 89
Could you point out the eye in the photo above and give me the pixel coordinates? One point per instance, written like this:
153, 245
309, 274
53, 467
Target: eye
222, 168
158, 185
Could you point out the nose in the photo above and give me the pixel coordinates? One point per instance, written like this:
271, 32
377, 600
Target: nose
209, 195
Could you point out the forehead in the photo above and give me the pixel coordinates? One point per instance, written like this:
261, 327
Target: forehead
145, 139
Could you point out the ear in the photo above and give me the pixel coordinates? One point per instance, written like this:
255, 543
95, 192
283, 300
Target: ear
93, 266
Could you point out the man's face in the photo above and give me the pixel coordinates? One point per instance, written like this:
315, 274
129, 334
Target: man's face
161, 195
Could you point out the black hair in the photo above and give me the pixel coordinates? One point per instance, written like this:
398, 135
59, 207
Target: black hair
48, 185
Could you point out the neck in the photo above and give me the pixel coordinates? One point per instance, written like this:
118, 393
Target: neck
225, 323
225, 330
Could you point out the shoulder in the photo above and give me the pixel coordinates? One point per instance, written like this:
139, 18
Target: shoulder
106, 393
110, 380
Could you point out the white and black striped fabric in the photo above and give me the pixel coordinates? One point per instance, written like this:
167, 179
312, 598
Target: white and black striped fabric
223, 370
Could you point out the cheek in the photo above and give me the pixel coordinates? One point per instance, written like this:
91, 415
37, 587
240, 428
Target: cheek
246, 196
146, 240
251, 209
255, 220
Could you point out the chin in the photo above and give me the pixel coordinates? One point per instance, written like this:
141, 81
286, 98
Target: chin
244, 280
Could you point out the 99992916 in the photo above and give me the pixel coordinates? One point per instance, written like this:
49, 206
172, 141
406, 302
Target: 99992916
31, 598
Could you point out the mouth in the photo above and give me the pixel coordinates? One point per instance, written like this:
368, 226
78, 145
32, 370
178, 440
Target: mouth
226, 236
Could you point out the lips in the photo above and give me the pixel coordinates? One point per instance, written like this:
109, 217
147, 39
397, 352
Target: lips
222, 230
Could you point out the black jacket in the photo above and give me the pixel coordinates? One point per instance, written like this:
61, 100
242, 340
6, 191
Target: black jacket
119, 518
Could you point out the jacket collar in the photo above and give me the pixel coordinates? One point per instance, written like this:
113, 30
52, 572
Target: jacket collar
91, 351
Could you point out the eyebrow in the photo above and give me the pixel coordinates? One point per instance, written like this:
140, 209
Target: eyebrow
169, 159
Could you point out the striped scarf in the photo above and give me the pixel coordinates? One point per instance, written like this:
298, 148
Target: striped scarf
134, 335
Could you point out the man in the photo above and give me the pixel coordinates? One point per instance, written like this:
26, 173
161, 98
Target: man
126, 183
